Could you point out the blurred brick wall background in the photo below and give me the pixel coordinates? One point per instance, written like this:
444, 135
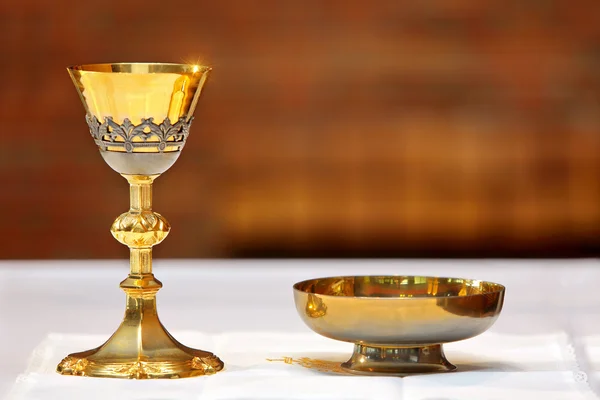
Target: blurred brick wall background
328, 128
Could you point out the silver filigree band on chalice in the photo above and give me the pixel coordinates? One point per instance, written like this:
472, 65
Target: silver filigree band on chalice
144, 137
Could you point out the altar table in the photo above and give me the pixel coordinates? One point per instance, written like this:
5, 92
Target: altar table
546, 343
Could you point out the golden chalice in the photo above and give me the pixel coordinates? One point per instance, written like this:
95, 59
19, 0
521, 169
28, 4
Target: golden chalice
139, 115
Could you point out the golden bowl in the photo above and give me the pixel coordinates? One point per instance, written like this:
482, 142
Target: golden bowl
398, 324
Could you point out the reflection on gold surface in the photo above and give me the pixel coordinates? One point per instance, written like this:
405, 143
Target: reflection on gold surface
432, 287
484, 305
396, 322
315, 307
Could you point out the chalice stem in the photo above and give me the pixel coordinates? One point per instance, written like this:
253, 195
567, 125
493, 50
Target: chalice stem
141, 348
140, 200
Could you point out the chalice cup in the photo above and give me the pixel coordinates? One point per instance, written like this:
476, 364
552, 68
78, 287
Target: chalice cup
139, 115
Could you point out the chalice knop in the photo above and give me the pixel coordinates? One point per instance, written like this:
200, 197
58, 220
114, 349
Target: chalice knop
139, 115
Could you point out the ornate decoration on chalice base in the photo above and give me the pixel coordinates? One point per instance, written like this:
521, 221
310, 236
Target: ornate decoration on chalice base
139, 115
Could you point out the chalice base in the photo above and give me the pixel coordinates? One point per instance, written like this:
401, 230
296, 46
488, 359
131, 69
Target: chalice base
141, 348
397, 361
154, 354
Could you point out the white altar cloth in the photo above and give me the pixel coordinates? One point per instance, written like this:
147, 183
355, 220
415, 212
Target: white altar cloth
546, 343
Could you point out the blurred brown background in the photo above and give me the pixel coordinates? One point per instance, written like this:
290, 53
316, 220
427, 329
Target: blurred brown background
431, 128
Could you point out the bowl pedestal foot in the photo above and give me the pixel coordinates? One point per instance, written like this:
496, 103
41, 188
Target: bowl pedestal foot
397, 361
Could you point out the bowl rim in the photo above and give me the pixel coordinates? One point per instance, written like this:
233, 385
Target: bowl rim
499, 287
160, 67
